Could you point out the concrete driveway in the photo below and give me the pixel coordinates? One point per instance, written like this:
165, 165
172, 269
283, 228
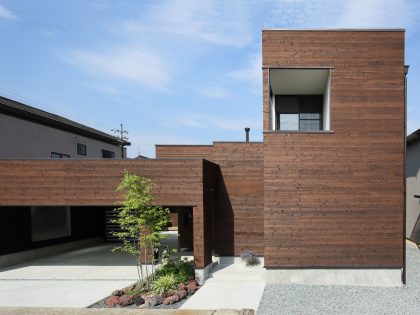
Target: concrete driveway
76, 278
231, 285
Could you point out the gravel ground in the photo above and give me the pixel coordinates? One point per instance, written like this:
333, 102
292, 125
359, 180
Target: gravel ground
303, 299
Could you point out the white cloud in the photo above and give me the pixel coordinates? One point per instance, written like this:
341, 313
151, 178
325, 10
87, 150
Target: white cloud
128, 64
248, 73
341, 14
6, 13
375, 13
223, 23
251, 73
197, 120
215, 92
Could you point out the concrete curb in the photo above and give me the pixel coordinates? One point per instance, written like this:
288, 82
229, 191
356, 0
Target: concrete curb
116, 311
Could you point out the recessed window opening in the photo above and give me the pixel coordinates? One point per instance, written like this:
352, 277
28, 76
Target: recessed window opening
81, 149
56, 155
108, 154
299, 99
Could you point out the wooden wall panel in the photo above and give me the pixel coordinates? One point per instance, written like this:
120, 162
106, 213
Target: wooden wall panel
240, 202
238, 212
184, 151
336, 199
93, 182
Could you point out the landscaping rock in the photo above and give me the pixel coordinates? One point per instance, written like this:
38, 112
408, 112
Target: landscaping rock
125, 300
193, 281
192, 287
182, 294
182, 287
171, 300
118, 293
152, 300
129, 288
138, 300
112, 301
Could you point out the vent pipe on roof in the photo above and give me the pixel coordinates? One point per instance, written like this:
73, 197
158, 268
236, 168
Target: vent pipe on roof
247, 134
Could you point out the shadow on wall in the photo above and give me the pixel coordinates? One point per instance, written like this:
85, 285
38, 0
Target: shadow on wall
223, 222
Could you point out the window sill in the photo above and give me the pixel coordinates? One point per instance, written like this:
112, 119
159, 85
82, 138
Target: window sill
301, 131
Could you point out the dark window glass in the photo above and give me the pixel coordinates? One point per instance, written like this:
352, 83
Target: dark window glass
299, 112
56, 155
308, 125
108, 154
81, 149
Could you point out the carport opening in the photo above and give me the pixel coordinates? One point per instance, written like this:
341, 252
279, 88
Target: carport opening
179, 232
27, 228
182, 225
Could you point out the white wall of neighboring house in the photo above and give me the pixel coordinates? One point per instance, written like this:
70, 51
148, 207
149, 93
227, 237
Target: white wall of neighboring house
413, 188
23, 139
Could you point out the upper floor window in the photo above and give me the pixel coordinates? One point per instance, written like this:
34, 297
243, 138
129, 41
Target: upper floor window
56, 155
299, 112
300, 99
81, 149
108, 154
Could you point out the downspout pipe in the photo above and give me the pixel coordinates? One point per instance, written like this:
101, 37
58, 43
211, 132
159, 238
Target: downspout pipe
404, 271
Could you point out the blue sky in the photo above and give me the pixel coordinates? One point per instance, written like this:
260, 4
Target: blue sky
173, 72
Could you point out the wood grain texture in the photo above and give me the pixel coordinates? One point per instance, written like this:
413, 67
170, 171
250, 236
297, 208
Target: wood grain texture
93, 182
336, 199
238, 202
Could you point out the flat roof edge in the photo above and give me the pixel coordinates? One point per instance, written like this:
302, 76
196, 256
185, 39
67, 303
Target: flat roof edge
183, 145
336, 29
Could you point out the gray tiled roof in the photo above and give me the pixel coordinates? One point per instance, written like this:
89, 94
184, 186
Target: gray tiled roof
413, 136
14, 108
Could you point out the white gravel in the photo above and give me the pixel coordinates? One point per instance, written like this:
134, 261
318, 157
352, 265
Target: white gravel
305, 299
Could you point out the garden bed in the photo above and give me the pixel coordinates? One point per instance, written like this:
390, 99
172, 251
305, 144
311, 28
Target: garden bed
123, 298
168, 287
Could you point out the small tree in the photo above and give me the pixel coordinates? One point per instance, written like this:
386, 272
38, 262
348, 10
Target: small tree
141, 223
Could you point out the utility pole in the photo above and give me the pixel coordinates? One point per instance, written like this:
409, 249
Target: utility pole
121, 135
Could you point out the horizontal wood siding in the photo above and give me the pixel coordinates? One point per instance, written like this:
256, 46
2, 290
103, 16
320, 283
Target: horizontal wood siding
336, 199
184, 151
238, 213
240, 204
93, 182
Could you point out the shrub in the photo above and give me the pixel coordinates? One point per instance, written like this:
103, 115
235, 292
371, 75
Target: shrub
249, 257
182, 270
164, 284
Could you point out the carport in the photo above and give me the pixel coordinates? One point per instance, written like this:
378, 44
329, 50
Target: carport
90, 184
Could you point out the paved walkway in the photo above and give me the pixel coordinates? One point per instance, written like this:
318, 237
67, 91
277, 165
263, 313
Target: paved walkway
321, 299
74, 279
231, 286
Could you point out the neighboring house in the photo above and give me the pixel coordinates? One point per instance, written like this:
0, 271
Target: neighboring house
413, 187
30, 133
321, 199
